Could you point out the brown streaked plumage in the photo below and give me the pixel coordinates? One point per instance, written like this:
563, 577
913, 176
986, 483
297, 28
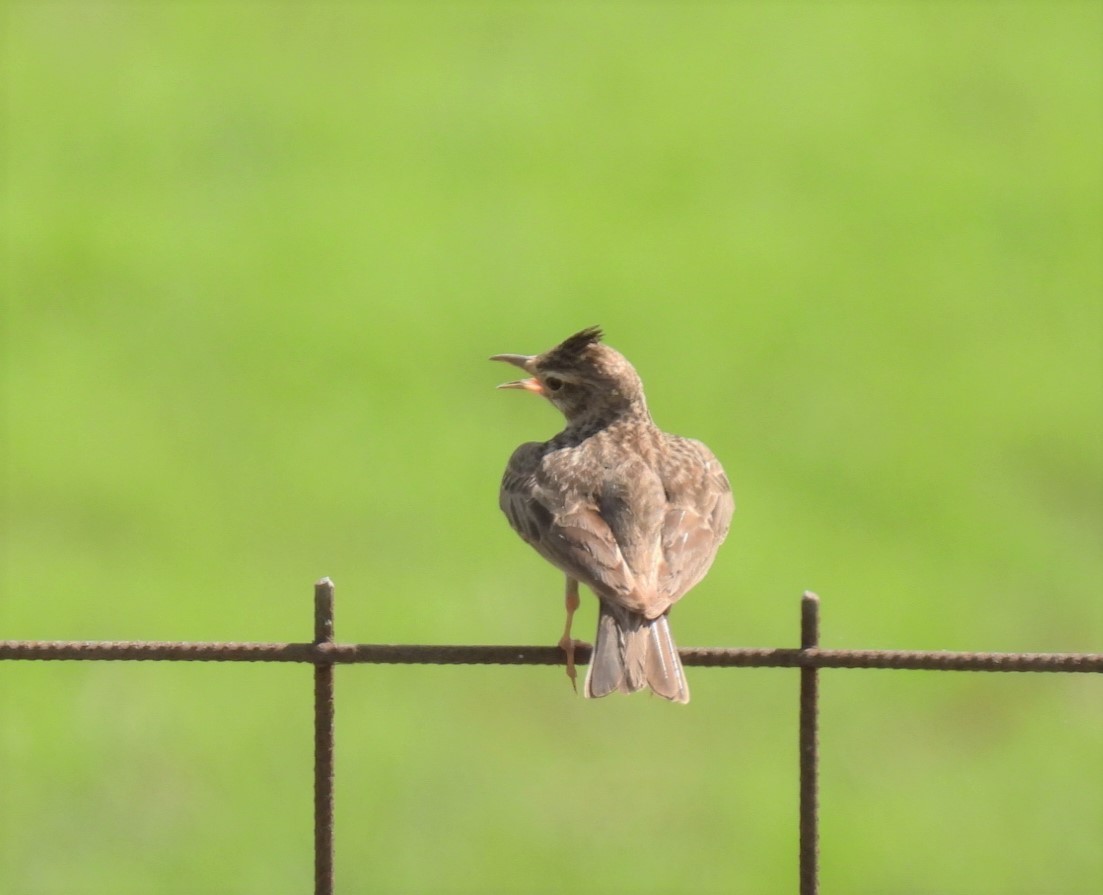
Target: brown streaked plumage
632, 512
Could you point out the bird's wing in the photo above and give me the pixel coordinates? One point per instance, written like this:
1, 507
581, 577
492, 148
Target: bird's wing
570, 528
698, 515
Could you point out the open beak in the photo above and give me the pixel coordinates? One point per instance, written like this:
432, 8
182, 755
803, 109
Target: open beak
523, 361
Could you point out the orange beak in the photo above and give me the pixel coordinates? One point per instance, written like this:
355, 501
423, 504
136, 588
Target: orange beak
523, 361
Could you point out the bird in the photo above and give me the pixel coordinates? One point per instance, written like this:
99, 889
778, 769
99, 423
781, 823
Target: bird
615, 503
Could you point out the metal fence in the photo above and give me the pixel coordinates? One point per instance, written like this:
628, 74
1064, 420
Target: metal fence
323, 653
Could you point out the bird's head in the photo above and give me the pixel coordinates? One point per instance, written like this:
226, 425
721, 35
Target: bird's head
586, 380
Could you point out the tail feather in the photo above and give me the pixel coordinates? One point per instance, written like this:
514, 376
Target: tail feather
664, 667
606, 673
632, 652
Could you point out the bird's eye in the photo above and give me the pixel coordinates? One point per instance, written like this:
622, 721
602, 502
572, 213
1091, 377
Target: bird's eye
553, 383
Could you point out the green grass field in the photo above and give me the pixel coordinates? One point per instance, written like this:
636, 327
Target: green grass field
257, 255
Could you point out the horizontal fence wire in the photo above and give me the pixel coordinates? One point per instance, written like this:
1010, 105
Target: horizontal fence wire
327, 653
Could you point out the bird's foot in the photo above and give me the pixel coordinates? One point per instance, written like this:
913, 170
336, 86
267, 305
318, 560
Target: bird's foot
567, 645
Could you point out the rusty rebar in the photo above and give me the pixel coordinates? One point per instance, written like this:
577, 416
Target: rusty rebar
425, 654
324, 653
809, 748
323, 742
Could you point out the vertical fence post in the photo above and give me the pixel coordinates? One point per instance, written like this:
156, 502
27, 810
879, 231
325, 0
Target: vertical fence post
809, 748
323, 742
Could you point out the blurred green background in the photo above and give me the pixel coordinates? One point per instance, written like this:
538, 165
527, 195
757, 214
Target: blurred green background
256, 257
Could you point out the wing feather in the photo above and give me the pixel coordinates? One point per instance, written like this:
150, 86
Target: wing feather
698, 516
639, 536
566, 527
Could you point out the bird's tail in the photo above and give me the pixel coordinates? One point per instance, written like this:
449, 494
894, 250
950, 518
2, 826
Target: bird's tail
632, 652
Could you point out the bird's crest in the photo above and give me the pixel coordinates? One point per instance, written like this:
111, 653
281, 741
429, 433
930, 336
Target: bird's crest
572, 348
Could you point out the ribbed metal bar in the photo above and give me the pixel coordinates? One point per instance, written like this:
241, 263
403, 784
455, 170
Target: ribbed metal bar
324, 653
424, 654
809, 748
323, 742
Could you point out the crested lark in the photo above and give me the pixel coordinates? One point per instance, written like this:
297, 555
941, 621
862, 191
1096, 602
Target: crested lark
614, 502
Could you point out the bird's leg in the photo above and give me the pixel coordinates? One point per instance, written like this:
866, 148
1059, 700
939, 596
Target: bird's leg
565, 642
